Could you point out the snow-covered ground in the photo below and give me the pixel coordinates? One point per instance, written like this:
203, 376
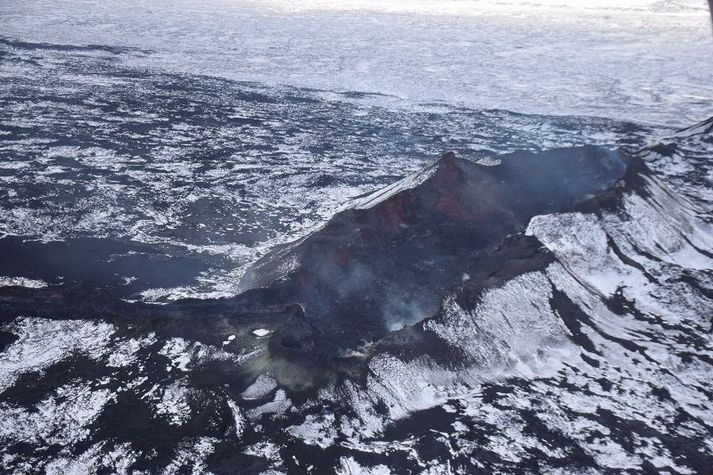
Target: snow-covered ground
597, 362
156, 148
641, 60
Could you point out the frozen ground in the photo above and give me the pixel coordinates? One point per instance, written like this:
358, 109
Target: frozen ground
94, 146
641, 60
595, 361
151, 150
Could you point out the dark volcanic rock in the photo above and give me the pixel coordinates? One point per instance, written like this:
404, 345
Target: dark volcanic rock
423, 318
388, 261
375, 269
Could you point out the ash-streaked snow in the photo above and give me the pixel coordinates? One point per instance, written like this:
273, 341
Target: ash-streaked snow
212, 170
153, 150
598, 361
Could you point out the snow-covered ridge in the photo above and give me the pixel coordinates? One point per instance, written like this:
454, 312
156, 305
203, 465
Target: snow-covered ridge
408, 183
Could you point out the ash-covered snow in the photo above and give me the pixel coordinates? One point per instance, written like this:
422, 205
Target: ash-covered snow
156, 150
214, 171
600, 360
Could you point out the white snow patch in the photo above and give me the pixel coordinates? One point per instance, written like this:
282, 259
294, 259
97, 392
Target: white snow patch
124, 353
22, 282
260, 332
62, 418
349, 466
43, 342
266, 450
237, 417
174, 403
408, 183
191, 456
278, 406
262, 386
319, 430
